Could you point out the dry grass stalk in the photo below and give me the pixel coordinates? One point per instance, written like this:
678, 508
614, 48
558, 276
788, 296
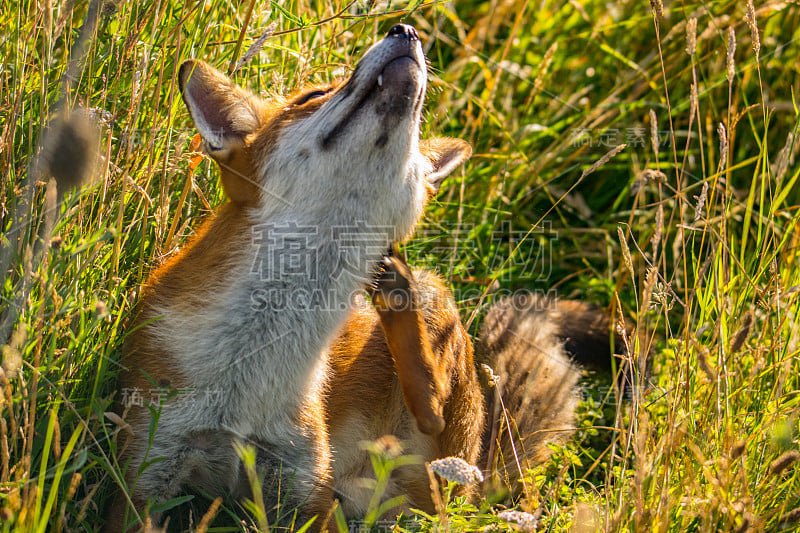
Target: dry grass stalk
57, 439
65, 11
436, 495
5, 454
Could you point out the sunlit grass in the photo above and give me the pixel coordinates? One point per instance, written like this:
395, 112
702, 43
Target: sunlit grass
708, 218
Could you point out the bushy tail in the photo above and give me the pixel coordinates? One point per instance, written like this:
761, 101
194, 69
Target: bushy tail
533, 344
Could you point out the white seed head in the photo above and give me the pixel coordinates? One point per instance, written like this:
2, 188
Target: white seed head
654, 140
490, 375
731, 51
524, 521
691, 36
457, 470
750, 18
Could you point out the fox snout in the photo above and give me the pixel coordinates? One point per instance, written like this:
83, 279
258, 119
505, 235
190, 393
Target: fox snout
401, 83
389, 81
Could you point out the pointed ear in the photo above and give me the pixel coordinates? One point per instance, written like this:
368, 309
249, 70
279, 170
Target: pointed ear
444, 154
223, 112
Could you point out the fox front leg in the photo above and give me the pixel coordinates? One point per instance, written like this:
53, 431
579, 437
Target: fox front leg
403, 323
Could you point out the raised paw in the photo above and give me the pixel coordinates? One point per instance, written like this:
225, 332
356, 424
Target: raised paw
393, 284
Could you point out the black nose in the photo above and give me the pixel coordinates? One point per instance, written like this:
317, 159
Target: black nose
403, 30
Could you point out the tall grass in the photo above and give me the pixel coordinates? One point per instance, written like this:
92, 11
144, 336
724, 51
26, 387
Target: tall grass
691, 229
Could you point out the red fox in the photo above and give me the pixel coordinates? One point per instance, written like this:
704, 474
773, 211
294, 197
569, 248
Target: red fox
231, 335
258, 332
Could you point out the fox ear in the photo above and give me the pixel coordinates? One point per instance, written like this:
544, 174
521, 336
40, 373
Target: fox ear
444, 154
223, 112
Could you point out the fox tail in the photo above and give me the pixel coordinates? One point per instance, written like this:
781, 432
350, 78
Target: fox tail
536, 347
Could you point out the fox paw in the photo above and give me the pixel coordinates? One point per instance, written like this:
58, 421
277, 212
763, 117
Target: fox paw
393, 284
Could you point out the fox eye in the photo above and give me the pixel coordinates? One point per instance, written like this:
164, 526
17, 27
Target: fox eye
310, 96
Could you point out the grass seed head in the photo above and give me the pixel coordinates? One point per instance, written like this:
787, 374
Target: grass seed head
626, 252
750, 18
784, 157
70, 154
691, 36
659, 230
650, 175
545, 66
731, 67
723, 146
12, 352
784, 461
646, 177
657, 7
792, 517
738, 449
743, 333
701, 202
603, 160
650, 282
493, 378
654, 132
257, 45
705, 366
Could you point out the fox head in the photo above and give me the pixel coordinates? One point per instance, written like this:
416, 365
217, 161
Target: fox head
348, 147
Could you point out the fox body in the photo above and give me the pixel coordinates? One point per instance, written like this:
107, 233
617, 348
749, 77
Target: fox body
337, 172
